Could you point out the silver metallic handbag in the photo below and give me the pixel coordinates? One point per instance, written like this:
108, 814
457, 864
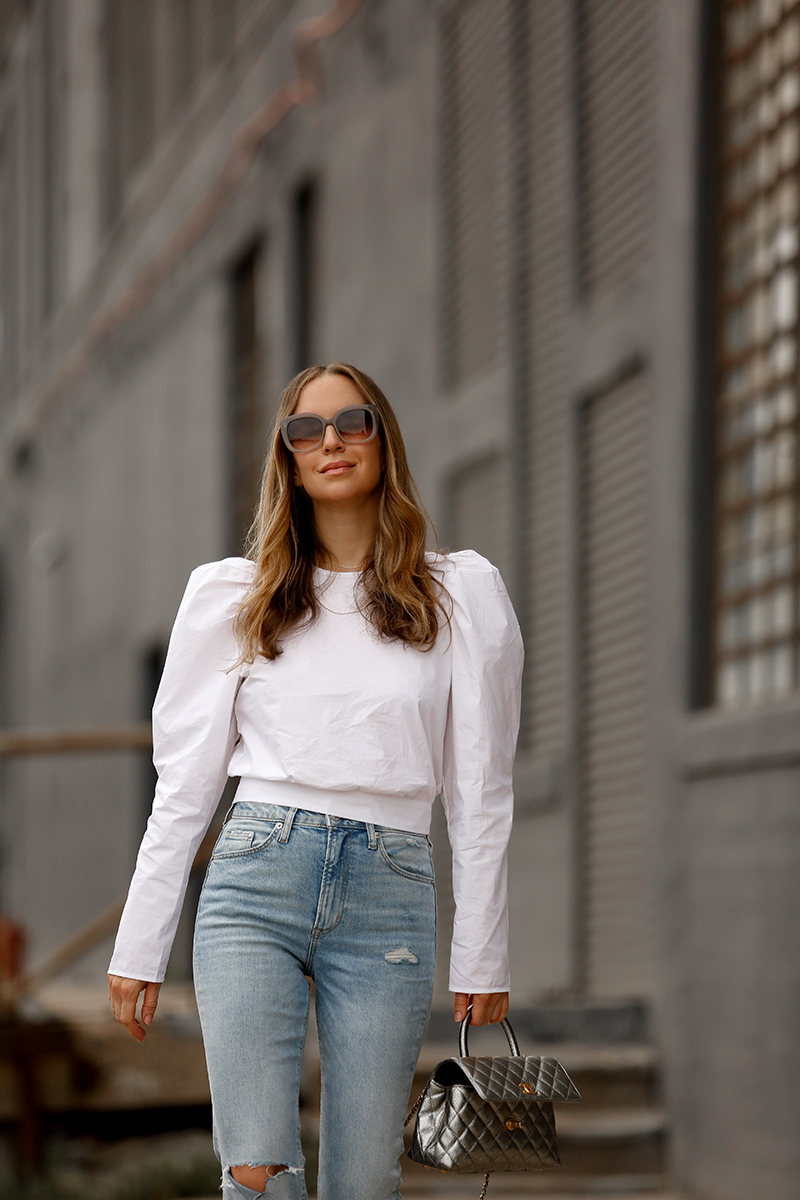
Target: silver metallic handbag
490, 1114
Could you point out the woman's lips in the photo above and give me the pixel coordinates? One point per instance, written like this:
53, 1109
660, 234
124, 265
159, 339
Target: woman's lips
337, 468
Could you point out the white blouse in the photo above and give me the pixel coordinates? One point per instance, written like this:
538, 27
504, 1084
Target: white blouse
342, 722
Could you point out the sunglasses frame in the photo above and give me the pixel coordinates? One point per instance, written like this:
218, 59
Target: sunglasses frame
326, 421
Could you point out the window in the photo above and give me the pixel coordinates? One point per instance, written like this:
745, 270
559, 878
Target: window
157, 54
151, 668
53, 134
246, 432
10, 250
305, 254
129, 42
475, 188
756, 509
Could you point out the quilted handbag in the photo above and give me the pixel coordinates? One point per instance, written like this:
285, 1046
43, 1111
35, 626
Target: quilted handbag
490, 1114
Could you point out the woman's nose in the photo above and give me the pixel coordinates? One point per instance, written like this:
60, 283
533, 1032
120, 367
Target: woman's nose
331, 441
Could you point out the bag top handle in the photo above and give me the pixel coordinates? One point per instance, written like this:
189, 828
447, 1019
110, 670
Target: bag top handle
463, 1047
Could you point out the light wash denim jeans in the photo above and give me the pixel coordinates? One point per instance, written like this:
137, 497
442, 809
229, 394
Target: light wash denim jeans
290, 894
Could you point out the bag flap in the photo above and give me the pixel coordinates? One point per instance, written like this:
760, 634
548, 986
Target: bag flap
510, 1078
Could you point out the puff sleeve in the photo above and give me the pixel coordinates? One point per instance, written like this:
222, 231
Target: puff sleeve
480, 741
194, 732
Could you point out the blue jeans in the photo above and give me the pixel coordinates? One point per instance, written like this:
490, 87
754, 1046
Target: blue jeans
291, 894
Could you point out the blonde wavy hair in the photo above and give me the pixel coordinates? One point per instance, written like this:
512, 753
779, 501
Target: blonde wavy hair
401, 596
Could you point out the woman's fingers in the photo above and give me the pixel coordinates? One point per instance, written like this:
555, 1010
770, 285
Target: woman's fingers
150, 1002
124, 996
501, 1011
486, 1006
460, 1005
125, 1009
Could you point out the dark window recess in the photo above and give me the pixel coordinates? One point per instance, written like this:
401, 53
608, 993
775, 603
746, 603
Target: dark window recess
152, 667
157, 54
179, 60
305, 254
53, 144
246, 423
221, 23
9, 188
474, 189
129, 45
180, 963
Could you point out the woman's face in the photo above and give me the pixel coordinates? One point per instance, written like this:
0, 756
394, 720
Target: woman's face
336, 472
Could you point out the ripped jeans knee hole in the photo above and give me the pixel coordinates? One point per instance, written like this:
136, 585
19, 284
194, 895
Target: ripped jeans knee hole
257, 1176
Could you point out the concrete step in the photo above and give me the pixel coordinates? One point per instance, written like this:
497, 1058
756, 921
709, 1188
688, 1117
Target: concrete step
608, 1141
613, 1076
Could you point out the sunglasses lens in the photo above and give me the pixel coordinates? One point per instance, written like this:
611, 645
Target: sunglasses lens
355, 424
304, 433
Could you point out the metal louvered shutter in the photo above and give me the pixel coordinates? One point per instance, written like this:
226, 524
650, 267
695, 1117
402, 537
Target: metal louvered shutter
480, 510
616, 138
475, 187
549, 630
617, 923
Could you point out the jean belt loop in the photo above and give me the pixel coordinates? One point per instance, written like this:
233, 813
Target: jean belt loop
228, 813
373, 837
287, 825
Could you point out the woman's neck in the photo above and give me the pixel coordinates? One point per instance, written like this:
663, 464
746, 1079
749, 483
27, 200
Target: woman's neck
346, 535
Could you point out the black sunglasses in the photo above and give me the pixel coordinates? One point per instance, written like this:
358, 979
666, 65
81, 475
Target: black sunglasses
357, 423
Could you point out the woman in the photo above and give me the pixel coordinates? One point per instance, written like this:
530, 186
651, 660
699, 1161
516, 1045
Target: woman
347, 677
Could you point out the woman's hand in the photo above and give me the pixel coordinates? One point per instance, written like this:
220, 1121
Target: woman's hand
486, 1006
124, 995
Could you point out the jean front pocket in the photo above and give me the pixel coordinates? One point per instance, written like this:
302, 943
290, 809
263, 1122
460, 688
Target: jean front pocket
408, 854
241, 836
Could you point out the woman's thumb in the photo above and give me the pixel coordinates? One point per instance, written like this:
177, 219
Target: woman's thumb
150, 1002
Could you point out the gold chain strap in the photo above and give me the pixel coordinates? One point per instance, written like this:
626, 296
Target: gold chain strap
417, 1103
411, 1112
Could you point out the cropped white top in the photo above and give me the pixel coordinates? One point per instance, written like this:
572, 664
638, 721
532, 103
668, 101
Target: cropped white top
342, 722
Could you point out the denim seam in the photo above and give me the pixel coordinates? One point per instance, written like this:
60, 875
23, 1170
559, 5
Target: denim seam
399, 870
297, 1086
345, 873
287, 826
222, 857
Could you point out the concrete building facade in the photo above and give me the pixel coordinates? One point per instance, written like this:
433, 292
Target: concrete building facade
562, 235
